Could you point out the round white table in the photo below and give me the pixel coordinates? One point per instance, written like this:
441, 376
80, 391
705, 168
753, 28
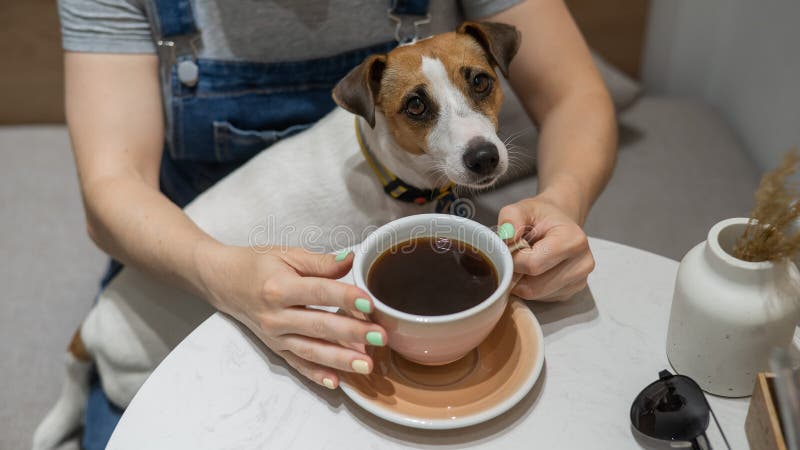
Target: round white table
221, 389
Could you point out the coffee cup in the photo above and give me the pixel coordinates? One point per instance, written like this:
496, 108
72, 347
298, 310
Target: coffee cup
437, 339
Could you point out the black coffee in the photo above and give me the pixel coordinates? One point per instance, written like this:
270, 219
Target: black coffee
432, 276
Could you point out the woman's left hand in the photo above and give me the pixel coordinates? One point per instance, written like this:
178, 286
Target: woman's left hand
559, 261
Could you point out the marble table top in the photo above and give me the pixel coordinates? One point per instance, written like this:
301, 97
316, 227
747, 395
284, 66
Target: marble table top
221, 389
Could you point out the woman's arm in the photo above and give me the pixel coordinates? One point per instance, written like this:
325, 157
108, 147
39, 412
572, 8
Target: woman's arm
116, 125
555, 79
558, 85
114, 114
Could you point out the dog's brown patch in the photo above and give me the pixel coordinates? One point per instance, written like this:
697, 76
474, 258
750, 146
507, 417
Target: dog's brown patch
460, 54
77, 348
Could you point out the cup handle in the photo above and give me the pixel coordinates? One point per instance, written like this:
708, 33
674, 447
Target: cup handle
513, 247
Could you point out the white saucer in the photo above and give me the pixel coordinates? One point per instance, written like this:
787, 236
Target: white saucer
481, 386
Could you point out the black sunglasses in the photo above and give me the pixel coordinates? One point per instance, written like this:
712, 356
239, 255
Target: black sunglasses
674, 409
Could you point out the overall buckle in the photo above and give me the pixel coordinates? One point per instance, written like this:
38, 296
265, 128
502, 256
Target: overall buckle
403, 33
174, 49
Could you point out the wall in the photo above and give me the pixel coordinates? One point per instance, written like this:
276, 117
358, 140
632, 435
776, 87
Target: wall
31, 79
740, 56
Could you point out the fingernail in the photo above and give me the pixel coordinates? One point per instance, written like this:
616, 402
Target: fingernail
360, 366
375, 338
506, 231
342, 255
328, 383
363, 305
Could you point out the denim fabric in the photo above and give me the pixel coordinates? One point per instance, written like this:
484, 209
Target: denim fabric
253, 97
174, 17
100, 419
410, 7
237, 109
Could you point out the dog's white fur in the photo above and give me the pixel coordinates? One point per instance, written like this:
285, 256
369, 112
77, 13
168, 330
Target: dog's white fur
316, 182
458, 124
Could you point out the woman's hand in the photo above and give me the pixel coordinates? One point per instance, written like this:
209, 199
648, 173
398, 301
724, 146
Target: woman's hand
268, 290
559, 261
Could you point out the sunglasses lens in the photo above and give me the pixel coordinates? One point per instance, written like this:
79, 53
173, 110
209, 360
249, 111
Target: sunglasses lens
673, 408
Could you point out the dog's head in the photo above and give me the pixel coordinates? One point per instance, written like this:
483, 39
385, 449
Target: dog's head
440, 97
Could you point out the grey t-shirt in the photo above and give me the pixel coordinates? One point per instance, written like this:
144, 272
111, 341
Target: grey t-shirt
257, 30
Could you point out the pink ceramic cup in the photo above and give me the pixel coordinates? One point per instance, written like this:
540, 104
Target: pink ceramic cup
437, 340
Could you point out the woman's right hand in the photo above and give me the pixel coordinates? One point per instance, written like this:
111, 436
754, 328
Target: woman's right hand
269, 291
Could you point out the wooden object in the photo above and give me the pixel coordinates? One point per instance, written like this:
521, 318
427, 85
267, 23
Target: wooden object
31, 82
615, 29
763, 425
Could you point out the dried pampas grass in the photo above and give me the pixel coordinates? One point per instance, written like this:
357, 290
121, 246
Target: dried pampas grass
769, 236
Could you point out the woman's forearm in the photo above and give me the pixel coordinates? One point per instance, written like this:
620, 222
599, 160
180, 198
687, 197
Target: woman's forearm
136, 224
577, 151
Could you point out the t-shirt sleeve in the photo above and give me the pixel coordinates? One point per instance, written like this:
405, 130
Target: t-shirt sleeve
105, 26
480, 9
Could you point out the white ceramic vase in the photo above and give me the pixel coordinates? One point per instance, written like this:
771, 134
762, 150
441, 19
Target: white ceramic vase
727, 314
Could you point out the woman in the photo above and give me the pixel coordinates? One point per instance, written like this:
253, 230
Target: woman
164, 98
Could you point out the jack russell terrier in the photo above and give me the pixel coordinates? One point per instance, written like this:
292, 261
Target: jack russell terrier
426, 119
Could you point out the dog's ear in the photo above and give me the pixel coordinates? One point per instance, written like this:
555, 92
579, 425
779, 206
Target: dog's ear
358, 90
499, 41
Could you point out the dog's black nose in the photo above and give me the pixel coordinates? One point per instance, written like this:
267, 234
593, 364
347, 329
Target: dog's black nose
481, 156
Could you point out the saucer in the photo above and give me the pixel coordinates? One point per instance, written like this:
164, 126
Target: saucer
482, 385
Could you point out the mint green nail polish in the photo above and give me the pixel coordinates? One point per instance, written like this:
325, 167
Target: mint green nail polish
363, 305
506, 231
375, 338
342, 255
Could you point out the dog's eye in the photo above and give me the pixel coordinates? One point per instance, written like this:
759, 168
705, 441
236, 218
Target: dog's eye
415, 106
481, 83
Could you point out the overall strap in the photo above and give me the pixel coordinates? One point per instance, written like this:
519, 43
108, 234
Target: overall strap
410, 7
173, 18
409, 15
177, 37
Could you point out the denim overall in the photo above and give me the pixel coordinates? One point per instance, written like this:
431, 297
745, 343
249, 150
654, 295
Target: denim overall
219, 114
